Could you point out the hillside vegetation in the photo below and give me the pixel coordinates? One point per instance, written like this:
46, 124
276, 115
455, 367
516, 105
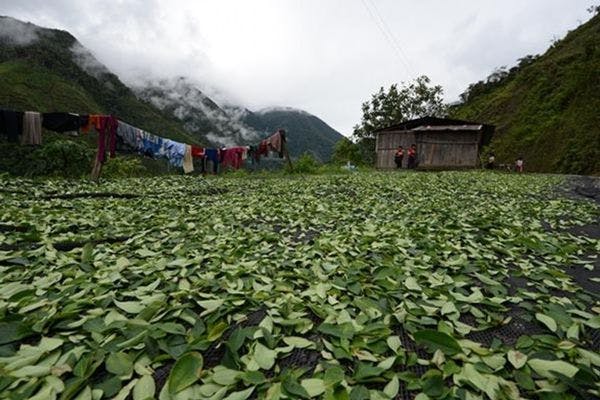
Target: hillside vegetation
49, 70
54, 72
547, 109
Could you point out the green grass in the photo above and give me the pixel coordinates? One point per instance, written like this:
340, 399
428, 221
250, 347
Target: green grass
351, 271
25, 87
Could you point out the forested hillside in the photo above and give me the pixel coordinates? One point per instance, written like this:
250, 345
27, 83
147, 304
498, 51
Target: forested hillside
547, 108
52, 71
49, 70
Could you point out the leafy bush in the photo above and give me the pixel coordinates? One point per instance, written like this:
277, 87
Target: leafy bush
305, 164
57, 156
122, 167
346, 150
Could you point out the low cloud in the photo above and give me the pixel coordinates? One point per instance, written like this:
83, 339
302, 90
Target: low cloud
270, 52
16, 32
86, 60
184, 99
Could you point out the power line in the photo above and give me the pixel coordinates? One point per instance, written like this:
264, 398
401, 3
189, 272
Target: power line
389, 37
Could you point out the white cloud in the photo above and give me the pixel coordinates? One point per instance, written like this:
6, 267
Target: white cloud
325, 57
86, 60
17, 32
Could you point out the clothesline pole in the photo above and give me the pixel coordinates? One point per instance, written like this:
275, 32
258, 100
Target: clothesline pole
286, 153
97, 169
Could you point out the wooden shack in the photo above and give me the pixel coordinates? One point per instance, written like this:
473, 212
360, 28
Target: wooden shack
442, 143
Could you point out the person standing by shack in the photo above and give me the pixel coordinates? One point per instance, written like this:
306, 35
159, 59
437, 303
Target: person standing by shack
412, 157
519, 164
399, 156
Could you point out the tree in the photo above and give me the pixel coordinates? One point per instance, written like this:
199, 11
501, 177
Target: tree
399, 103
346, 150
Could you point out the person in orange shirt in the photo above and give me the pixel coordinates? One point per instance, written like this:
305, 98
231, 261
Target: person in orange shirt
399, 156
412, 157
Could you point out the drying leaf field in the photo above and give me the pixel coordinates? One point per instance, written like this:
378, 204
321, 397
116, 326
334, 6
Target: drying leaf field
451, 285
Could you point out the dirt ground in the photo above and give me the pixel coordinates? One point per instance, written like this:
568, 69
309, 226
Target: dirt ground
585, 188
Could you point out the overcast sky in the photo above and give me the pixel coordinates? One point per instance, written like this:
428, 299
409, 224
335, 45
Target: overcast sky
323, 56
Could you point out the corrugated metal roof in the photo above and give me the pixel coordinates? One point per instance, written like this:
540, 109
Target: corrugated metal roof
433, 121
448, 128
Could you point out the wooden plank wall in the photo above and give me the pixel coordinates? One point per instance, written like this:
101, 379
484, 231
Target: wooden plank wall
434, 149
448, 149
386, 145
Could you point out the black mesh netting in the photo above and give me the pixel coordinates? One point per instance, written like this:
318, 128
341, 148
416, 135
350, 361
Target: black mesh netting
418, 370
594, 340
514, 283
301, 358
583, 276
214, 353
298, 236
590, 230
509, 333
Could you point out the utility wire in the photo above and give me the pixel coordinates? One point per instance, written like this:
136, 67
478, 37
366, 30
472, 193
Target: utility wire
392, 36
389, 37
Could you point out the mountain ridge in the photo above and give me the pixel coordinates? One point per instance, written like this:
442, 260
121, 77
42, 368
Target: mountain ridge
50, 70
46, 75
545, 108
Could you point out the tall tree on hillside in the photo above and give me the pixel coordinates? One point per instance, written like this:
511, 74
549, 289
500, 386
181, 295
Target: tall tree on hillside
392, 106
400, 103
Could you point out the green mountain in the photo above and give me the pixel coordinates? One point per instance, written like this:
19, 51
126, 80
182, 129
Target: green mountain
547, 108
232, 125
49, 70
182, 98
305, 132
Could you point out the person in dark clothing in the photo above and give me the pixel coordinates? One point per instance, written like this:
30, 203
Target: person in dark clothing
399, 156
412, 157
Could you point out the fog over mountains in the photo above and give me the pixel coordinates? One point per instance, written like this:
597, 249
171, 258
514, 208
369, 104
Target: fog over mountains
173, 107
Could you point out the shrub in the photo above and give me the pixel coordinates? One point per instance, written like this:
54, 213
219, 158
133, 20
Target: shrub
305, 164
346, 150
57, 156
121, 167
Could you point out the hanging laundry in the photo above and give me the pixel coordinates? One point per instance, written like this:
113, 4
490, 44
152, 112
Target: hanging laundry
106, 125
212, 155
11, 124
92, 122
173, 151
188, 162
197, 152
61, 122
276, 142
261, 150
32, 128
272, 143
129, 136
83, 121
151, 144
232, 157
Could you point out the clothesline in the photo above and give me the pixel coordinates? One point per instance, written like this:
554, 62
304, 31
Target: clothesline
26, 128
